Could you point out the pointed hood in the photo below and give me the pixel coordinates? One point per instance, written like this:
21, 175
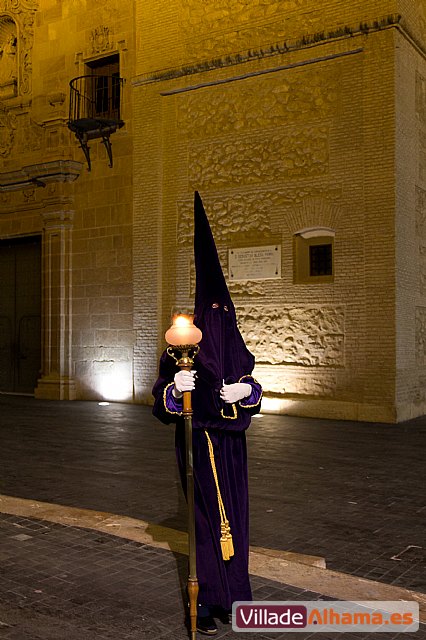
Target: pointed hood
210, 282
223, 354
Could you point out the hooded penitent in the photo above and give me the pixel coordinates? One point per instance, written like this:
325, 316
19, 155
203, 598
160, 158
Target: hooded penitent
223, 357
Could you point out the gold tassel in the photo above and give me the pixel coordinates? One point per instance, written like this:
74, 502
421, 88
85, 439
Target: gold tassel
230, 544
226, 543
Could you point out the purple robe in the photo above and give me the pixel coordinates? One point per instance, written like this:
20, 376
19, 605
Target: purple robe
221, 582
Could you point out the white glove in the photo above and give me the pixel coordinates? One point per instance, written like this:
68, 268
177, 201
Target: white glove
184, 381
231, 393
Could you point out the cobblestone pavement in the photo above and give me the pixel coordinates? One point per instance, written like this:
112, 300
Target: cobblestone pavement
62, 583
351, 492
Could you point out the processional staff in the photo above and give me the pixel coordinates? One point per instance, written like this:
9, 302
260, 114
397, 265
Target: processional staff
183, 338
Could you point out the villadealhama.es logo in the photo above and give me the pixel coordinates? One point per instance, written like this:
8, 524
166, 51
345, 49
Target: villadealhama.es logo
326, 615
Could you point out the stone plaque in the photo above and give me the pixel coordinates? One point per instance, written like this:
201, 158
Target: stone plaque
255, 263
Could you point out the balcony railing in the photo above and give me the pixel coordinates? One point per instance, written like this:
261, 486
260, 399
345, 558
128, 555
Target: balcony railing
95, 110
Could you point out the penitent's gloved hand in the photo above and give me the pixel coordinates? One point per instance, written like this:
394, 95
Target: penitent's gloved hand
184, 381
231, 393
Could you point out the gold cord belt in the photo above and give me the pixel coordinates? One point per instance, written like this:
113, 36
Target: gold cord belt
226, 543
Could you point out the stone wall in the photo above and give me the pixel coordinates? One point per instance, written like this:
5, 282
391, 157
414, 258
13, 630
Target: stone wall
277, 142
173, 33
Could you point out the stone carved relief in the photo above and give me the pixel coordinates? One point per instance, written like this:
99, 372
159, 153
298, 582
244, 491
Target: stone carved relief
421, 336
21, 13
100, 39
303, 151
29, 196
226, 217
32, 135
304, 336
8, 57
7, 131
299, 96
239, 24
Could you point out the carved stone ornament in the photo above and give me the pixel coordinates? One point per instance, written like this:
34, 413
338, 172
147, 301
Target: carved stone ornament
100, 39
16, 41
7, 131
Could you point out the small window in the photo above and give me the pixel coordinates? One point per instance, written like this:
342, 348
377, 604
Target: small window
321, 260
313, 257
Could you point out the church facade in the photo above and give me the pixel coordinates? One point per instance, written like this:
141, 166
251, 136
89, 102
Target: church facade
303, 126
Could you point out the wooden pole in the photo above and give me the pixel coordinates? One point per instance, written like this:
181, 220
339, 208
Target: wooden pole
187, 352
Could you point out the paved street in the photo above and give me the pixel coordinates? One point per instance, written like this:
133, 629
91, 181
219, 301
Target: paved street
353, 493
83, 585
64, 583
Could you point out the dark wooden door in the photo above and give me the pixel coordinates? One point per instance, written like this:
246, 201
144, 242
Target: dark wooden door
20, 314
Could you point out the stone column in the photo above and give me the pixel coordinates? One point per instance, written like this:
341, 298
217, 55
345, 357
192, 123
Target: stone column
56, 382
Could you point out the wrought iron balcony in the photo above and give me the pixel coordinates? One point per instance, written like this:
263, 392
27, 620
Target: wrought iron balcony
95, 102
